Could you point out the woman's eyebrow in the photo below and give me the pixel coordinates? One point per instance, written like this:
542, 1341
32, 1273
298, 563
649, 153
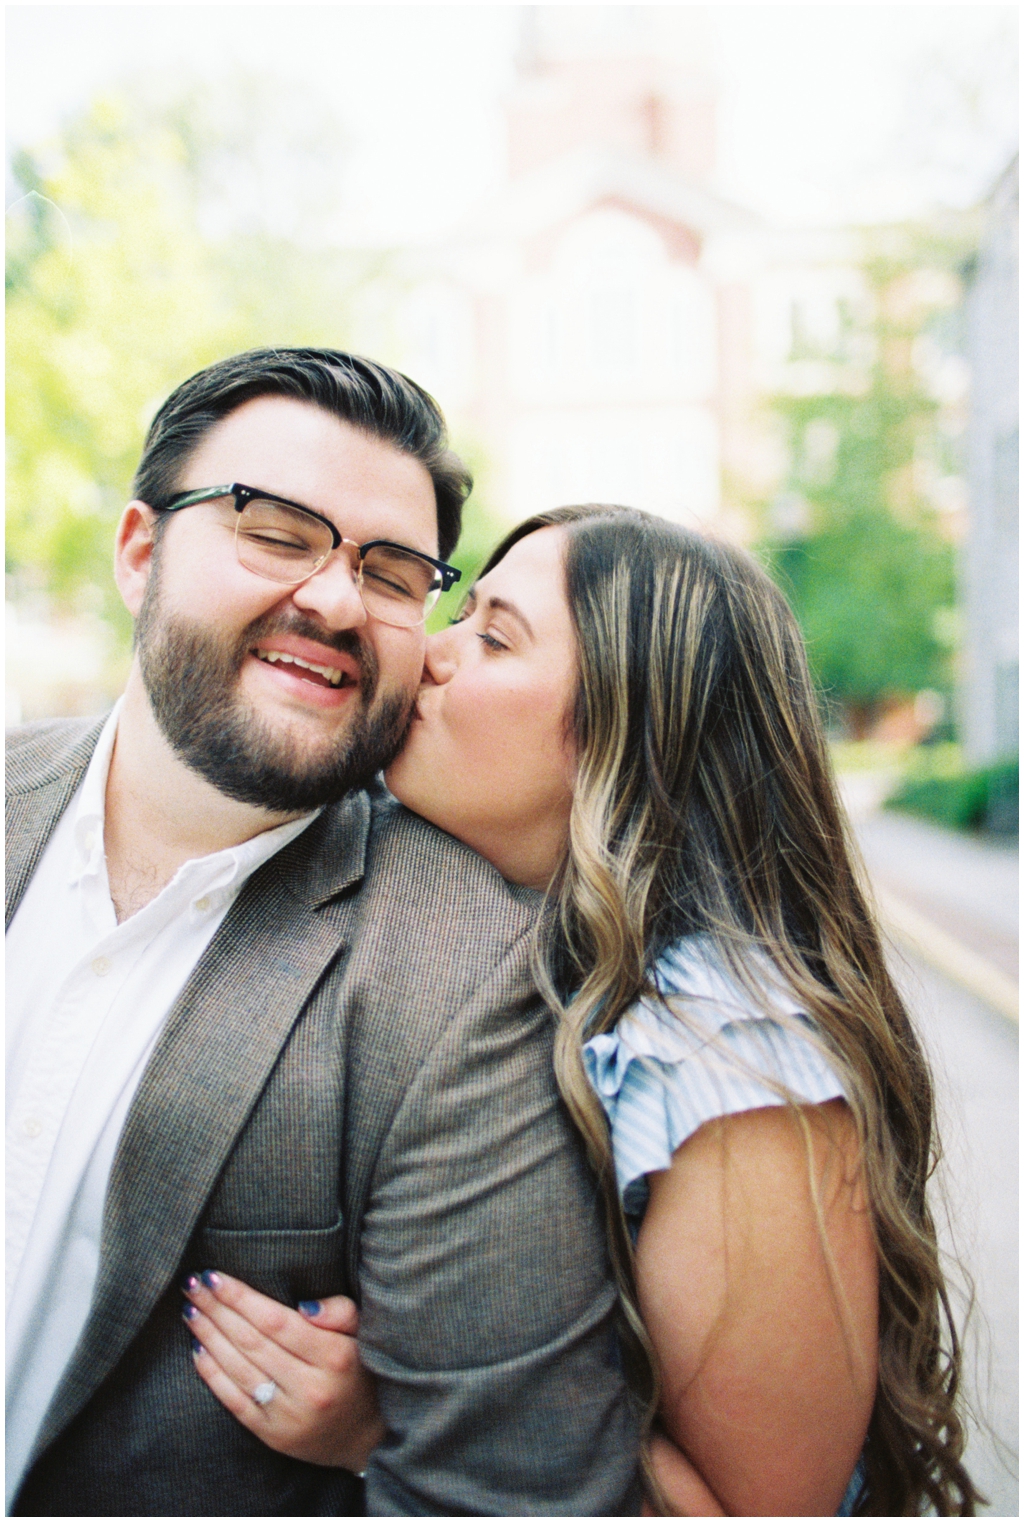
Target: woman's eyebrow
509, 607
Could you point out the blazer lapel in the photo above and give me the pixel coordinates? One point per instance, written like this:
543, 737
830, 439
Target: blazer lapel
34, 810
217, 1050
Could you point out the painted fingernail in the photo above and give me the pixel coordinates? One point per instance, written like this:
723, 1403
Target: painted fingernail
310, 1307
190, 1283
190, 1312
197, 1346
210, 1279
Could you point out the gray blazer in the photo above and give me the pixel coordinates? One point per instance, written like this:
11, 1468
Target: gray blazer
354, 1094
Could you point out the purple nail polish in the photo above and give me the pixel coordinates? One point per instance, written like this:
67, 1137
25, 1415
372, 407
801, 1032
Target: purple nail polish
310, 1307
190, 1312
190, 1283
197, 1346
210, 1279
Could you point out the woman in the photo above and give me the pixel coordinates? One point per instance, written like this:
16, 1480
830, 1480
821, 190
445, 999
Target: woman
623, 717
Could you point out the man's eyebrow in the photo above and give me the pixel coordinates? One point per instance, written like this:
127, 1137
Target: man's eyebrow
502, 603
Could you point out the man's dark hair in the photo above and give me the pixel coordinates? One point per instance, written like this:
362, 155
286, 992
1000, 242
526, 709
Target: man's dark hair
373, 397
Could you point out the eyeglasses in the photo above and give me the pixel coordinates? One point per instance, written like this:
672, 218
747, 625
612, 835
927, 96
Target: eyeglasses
283, 541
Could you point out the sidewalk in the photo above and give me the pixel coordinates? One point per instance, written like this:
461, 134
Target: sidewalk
949, 898
949, 905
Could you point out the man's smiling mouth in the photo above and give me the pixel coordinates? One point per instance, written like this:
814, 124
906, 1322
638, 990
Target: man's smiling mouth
332, 676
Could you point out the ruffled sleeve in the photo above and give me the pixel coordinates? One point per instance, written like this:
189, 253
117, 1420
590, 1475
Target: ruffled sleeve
661, 1075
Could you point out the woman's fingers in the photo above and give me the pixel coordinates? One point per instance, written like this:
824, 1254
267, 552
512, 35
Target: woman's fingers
248, 1368
233, 1305
335, 1313
323, 1412
278, 1423
237, 1401
252, 1321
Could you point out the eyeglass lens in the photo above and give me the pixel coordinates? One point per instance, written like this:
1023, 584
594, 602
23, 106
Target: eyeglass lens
287, 545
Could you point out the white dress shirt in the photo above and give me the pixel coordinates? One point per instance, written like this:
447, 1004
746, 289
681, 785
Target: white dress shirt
86, 1001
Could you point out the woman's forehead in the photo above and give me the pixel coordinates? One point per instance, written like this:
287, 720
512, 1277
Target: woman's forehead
531, 576
540, 556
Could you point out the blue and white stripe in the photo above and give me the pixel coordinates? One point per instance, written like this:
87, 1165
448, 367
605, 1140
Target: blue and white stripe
662, 1073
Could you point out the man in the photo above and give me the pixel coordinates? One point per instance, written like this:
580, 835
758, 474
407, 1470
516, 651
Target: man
264, 1021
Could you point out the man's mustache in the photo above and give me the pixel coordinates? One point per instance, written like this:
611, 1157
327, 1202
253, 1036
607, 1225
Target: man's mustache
345, 640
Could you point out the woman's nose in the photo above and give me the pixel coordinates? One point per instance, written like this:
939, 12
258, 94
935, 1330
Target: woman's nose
440, 657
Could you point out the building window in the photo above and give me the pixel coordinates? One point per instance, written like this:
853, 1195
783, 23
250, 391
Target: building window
614, 329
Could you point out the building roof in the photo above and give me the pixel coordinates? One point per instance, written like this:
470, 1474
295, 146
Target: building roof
587, 177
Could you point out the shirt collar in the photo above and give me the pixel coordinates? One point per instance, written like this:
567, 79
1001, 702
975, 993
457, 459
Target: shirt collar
87, 856
220, 873
210, 882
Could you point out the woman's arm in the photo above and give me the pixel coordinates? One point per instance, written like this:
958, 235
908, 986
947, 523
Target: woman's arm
768, 1363
324, 1407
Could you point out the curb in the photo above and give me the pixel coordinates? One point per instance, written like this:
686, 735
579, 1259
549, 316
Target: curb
948, 955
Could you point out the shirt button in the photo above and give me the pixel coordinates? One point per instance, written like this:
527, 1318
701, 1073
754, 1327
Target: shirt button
101, 966
202, 904
32, 1127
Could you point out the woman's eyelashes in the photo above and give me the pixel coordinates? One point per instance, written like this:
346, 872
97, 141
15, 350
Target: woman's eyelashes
463, 616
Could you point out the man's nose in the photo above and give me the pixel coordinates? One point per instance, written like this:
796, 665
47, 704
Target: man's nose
333, 594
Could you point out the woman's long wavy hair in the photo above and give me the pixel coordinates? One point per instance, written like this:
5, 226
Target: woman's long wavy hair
704, 803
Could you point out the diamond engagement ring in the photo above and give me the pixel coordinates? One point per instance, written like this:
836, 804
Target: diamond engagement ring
264, 1393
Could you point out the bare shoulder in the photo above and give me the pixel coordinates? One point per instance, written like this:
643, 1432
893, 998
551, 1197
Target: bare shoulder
40, 752
767, 1155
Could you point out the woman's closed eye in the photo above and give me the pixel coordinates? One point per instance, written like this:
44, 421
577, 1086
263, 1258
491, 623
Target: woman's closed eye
485, 636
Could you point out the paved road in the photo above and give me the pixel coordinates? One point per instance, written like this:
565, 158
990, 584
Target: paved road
974, 1058
968, 890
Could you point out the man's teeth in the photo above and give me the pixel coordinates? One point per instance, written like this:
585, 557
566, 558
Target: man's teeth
330, 673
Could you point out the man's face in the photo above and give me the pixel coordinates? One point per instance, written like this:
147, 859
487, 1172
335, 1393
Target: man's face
270, 731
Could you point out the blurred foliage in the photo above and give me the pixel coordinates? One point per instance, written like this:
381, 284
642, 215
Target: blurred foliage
854, 537
481, 530
938, 787
851, 756
129, 268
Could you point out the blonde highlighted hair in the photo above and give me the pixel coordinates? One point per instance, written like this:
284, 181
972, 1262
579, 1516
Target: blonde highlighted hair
705, 804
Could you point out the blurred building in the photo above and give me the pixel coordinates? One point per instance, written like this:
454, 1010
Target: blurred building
607, 326
990, 666
590, 326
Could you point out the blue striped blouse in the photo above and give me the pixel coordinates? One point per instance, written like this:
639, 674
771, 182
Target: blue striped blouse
660, 1077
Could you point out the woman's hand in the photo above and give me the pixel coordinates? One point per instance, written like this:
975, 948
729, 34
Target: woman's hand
683, 1488
323, 1407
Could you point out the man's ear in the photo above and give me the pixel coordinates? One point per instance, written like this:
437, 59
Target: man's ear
133, 553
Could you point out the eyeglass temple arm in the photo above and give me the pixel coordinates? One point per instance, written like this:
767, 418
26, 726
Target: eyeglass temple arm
207, 494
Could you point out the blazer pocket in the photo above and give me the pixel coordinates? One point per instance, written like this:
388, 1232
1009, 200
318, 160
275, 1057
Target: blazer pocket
287, 1265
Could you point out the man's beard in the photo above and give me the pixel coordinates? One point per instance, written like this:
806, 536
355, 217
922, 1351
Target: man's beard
192, 680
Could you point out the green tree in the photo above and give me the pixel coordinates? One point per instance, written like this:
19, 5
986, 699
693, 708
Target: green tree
854, 537
115, 293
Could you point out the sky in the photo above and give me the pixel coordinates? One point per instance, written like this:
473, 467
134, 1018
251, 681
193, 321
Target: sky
828, 113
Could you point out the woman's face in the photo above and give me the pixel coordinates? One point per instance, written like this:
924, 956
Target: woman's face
489, 758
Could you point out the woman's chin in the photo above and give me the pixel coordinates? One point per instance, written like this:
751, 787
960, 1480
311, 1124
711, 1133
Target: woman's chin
400, 779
